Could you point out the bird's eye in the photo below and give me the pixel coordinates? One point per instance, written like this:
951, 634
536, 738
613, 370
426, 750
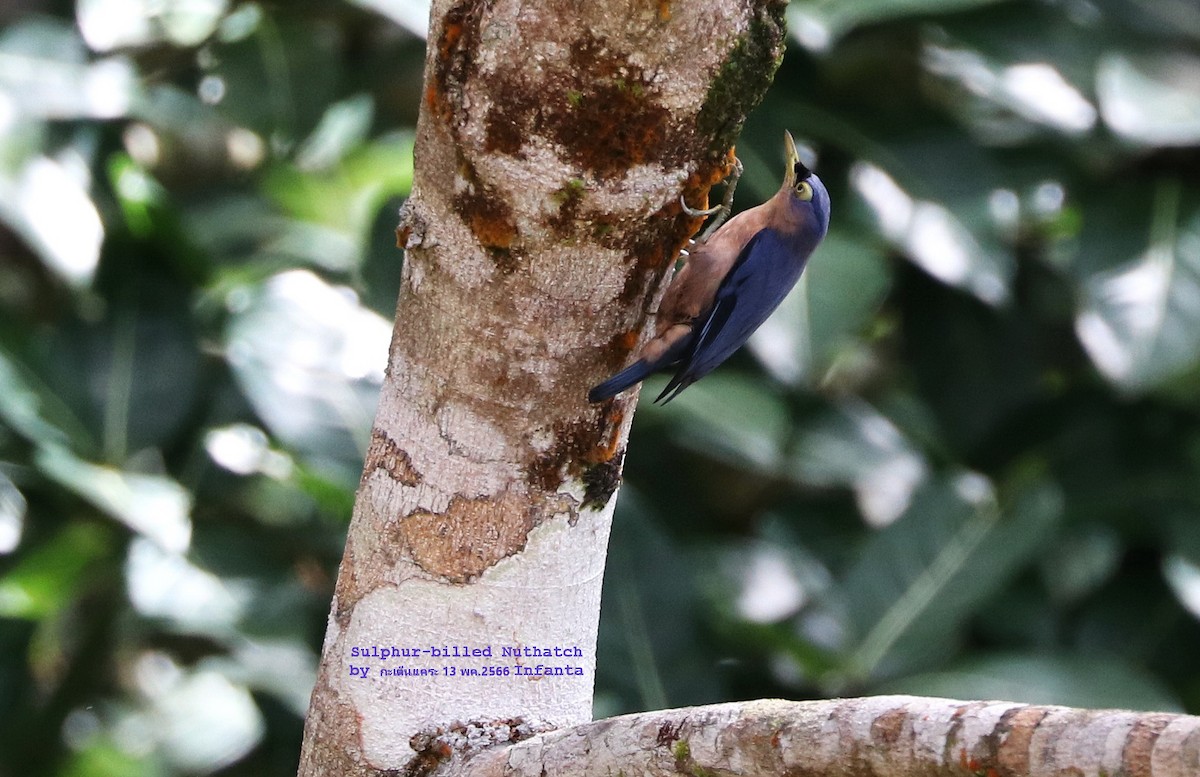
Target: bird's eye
804, 191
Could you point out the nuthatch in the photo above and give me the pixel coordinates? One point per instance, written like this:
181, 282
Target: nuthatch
730, 284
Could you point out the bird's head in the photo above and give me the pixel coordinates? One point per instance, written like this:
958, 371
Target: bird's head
804, 189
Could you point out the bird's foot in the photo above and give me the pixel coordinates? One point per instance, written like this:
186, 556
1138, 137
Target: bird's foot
697, 212
723, 210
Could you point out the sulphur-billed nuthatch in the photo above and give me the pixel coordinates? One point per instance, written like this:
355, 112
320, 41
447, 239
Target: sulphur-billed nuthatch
730, 284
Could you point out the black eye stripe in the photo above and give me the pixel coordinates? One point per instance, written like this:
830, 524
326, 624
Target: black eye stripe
801, 171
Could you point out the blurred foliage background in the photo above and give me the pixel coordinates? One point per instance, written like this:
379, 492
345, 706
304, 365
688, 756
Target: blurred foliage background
963, 459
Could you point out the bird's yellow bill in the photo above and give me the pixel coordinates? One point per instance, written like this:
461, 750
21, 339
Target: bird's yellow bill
793, 156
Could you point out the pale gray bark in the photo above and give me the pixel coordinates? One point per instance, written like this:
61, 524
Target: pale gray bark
554, 142
884, 736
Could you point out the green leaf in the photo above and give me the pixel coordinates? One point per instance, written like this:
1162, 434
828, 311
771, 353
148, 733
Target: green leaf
1081, 562
135, 373
310, 359
279, 80
1070, 680
102, 756
12, 515
47, 577
44, 70
817, 24
32, 409
343, 127
345, 198
200, 721
154, 506
840, 290
1183, 577
1006, 101
113, 24
918, 580
736, 415
855, 445
1151, 100
1138, 321
934, 237
35, 201
163, 584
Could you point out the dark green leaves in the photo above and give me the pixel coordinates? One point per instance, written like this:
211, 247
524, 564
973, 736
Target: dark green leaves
1139, 319
190, 201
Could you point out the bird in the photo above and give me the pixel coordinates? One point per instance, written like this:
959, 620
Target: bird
730, 283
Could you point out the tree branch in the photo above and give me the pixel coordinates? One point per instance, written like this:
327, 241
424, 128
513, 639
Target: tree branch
885, 736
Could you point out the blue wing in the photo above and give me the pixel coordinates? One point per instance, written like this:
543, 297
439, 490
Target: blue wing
765, 271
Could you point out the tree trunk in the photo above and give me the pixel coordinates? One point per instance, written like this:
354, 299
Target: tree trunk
554, 142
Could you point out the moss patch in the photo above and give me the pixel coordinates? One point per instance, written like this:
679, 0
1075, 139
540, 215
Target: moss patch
744, 76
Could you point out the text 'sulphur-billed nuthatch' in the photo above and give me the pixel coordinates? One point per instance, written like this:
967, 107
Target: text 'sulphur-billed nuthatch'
730, 284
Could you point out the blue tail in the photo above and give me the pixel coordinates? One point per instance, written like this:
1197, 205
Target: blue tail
632, 374
639, 371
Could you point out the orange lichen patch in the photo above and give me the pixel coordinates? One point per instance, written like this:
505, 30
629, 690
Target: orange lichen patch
709, 175
578, 448
489, 217
454, 61
588, 449
492, 227
384, 454
664, 10
431, 96
469, 537
402, 234
451, 34
491, 221
625, 341
695, 198
975, 766
613, 128
606, 450
697, 186
599, 107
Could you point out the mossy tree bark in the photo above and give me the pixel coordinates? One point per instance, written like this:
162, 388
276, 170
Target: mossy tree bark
554, 143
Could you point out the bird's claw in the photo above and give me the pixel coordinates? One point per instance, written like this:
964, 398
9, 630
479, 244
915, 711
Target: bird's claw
723, 210
698, 212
